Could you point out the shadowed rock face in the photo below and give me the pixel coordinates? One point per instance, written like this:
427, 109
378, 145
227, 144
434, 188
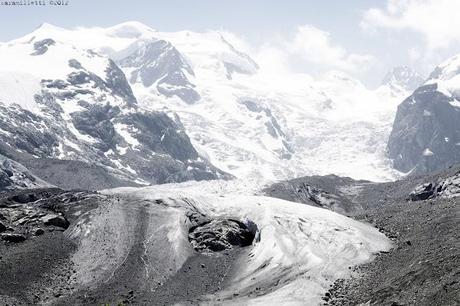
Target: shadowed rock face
117, 82
220, 235
42, 46
441, 187
426, 132
159, 63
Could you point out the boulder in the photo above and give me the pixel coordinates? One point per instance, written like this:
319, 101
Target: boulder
39, 232
13, 237
55, 220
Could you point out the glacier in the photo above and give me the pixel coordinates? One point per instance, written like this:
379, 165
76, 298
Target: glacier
300, 250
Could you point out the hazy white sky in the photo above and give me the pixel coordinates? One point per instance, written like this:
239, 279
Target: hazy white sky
363, 38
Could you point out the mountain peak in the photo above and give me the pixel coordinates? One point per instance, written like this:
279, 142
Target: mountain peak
46, 25
131, 29
47, 28
403, 77
447, 69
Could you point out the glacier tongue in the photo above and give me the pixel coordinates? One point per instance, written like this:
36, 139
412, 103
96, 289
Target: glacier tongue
299, 250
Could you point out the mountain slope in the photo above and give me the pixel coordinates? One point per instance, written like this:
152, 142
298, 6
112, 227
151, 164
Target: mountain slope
426, 133
79, 106
159, 65
15, 176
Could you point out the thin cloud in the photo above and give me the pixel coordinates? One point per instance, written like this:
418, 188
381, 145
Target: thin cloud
313, 49
436, 20
314, 45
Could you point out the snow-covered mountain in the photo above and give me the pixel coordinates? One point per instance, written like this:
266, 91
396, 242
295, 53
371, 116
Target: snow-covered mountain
248, 122
59, 100
426, 130
403, 79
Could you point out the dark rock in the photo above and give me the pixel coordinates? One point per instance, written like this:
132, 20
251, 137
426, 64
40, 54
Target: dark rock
24, 198
159, 133
446, 187
55, 220
75, 64
13, 237
322, 191
96, 122
74, 174
2, 227
219, 235
425, 132
161, 62
41, 46
116, 81
39, 232
422, 192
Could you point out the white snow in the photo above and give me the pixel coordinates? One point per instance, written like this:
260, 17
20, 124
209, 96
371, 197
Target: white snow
347, 138
427, 152
447, 79
122, 150
19, 88
22, 72
126, 132
122, 166
108, 41
455, 103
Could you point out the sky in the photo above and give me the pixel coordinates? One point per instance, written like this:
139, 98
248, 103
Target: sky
363, 38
